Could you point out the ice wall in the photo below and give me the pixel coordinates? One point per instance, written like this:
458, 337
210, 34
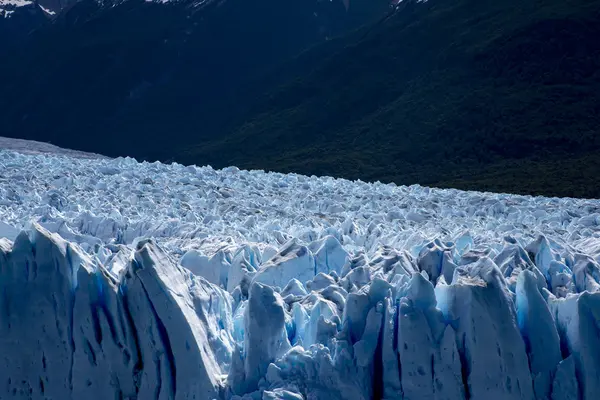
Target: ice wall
68, 330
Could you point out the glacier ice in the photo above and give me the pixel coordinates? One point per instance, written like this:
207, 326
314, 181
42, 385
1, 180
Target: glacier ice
134, 280
8, 232
293, 261
265, 338
70, 330
539, 332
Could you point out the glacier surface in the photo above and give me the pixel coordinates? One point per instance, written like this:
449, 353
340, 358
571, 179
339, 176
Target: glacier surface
131, 280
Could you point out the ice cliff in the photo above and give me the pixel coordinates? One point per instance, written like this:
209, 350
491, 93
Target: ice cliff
68, 329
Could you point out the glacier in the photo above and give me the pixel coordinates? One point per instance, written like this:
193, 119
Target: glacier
131, 280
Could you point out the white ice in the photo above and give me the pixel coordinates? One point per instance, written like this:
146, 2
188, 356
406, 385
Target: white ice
146, 280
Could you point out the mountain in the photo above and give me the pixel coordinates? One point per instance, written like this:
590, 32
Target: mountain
12, 8
175, 78
486, 95
127, 280
17, 19
489, 95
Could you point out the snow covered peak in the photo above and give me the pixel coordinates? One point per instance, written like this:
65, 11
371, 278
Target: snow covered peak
146, 280
15, 3
8, 7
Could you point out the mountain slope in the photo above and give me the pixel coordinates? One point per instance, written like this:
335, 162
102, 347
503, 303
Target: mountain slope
470, 94
17, 19
173, 79
485, 95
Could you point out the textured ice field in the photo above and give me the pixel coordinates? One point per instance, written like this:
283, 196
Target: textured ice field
300, 287
33, 147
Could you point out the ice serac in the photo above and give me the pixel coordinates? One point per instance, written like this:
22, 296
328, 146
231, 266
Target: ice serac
448, 382
105, 360
565, 385
539, 333
281, 394
366, 357
314, 371
578, 322
542, 253
265, 339
213, 269
8, 231
183, 326
322, 313
430, 367
416, 342
512, 260
430, 260
586, 272
482, 313
355, 315
329, 255
390, 361
294, 288
293, 261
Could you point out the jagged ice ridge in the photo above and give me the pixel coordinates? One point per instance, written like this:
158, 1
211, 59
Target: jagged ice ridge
131, 280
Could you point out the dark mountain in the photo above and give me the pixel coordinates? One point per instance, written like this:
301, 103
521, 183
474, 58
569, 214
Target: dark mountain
474, 94
17, 20
138, 77
498, 95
